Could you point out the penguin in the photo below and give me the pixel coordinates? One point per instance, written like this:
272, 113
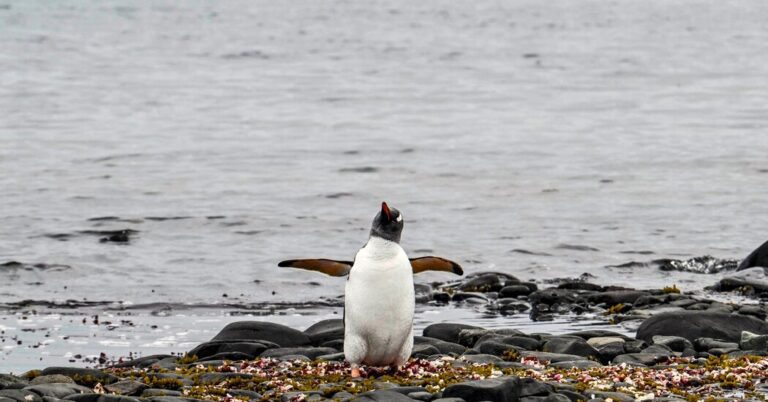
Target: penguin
379, 298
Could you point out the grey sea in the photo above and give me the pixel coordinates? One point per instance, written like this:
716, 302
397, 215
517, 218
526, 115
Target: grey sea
157, 158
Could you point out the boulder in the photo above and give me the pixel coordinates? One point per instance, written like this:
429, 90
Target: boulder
552, 357
497, 389
20, 395
310, 352
675, 343
58, 390
82, 376
326, 330
443, 346
757, 258
127, 387
448, 332
751, 341
754, 277
381, 395
269, 331
208, 349
571, 346
515, 291
699, 324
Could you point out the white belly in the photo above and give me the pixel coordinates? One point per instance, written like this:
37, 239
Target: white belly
379, 305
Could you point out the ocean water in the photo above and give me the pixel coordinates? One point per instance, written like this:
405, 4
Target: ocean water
542, 139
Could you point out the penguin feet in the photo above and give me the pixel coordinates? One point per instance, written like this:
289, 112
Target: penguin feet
355, 372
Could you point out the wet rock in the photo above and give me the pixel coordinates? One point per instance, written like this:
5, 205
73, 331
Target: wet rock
208, 349
552, 357
81, 376
751, 341
310, 352
381, 396
215, 378
757, 258
609, 351
613, 298
325, 331
443, 346
613, 396
600, 341
531, 387
675, 343
298, 396
421, 396
142, 362
579, 285
522, 342
570, 346
257, 330
754, 277
753, 310
473, 297
658, 350
706, 344
470, 337
448, 332
249, 395
498, 389
150, 392
579, 364
645, 359
515, 291
58, 390
635, 346
20, 395
226, 356
8, 381
482, 358
333, 357
553, 295
692, 325
173, 399
495, 348
51, 379
127, 387
424, 350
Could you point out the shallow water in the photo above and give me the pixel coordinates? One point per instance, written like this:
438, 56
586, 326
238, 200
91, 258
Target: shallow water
544, 139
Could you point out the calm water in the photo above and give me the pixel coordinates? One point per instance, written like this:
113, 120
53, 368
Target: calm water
273, 130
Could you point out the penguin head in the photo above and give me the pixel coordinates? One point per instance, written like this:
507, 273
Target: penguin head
388, 224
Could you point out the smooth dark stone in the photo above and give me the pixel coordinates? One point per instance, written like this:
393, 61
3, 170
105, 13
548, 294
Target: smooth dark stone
310, 352
482, 359
485, 282
58, 390
579, 364
325, 331
421, 396
577, 285
448, 400
495, 348
381, 396
676, 343
531, 387
646, 359
522, 342
471, 337
142, 362
173, 399
572, 395
515, 291
337, 344
753, 277
443, 346
227, 356
497, 389
658, 350
448, 332
8, 381
757, 311
469, 296
692, 325
615, 396
269, 331
406, 389
150, 392
553, 295
610, 351
127, 387
215, 378
615, 297
252, 395
705, 344
79, 374
51, 379
552, 357
570, 346
424, 350
23, 395
595, 333
635, 346
335, 357
208, 349
757, 258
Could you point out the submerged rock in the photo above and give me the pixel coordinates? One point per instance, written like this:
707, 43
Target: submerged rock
699, 324
261, 330
498, 389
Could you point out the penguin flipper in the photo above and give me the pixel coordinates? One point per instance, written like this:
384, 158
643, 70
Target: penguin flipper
431, 263
325, 266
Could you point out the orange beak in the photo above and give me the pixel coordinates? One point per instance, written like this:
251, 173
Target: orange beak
385, 211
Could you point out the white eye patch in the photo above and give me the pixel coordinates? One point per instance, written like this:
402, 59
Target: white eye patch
399, 218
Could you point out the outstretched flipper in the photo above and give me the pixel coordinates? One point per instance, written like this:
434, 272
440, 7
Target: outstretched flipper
430, 263
328, 267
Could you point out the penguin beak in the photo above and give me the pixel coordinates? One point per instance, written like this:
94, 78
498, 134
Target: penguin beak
385, 211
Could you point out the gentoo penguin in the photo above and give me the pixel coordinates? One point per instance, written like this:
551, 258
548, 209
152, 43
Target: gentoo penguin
379, 295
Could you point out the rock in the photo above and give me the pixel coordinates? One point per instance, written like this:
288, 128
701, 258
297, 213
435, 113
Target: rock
333, 357
215, 378
600, 341
297, 396
150, 392
381, 396
269, 331
421, 396
497, 389
613, 396
579, 364
448, 400
754, 310
705, 344
552, 357
471, 337
695, 324
658, 350
750, 341
589, 334
310, 352
58, 390
495, 348
531, 387
515, 291
82, 376
173, 399
226, 356
443, 346
615, 297
51, 379
610, 351
676, 343
127, 387
249, 395
8, 381
569, 345
757, 258
424, 350
485, 282
20, 395
482, 359
293, 358
448, 332
208, 349
325, 331
635, 346
755, 277
522, 342
645, 359
473, 297
142, 362
577, 285
553, 295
